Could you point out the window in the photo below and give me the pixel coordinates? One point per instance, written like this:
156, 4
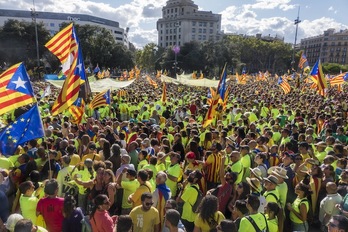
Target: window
176, 10
193, 30
179, 36
179, 29
170, 37
193, 37
199, 37
204, 37
211, 31
161, 31
200, 30
204, 24
161, 25
193, 23
200, 24
170, 31
167, 44
211, 24
172, 10
51, 24
204, 30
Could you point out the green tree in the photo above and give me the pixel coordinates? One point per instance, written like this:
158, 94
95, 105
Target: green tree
147, 57
18, 42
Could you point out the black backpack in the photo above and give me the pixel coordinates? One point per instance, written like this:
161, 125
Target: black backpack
198, 200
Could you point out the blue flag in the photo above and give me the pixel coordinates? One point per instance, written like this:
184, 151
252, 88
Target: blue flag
222, 84
26, 127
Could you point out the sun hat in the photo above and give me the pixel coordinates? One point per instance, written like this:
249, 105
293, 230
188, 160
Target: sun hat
254, 183
272, 179
280, 172
257, 173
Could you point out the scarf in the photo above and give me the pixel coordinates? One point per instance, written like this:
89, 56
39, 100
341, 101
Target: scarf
164, 190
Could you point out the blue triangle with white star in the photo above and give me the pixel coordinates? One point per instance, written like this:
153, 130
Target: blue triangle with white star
20, 81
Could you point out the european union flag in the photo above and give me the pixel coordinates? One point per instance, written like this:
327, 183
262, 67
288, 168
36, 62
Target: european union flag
26, 127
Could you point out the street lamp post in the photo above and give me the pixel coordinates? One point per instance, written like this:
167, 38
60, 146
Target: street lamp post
176, 48
33, 13
297, 21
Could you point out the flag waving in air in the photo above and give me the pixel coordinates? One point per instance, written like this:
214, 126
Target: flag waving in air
303, 63
77, 110
15, 89
164, 93
26, 127
318, 78
220, 95
101, 99
284, 85
65, 45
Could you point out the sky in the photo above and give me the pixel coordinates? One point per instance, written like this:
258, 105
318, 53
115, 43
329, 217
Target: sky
268, 17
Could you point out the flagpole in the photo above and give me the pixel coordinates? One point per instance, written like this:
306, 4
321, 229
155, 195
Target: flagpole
297, 21
34, 14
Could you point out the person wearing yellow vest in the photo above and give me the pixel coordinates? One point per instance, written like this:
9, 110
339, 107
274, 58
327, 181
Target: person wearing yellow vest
299, 208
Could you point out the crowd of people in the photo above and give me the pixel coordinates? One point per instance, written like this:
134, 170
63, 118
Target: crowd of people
267, 162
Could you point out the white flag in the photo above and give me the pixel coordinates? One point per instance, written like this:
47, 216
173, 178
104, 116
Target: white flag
47, 92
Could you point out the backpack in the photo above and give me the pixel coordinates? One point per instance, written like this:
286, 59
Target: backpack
86, 225
257, 229
198, 200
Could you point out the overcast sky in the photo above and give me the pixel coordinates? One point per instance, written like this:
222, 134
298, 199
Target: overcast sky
274, 17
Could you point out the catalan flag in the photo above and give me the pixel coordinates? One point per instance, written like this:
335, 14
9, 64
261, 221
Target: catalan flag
303, 63
284, 85
76, 75
122, 93
318, 78
64, 47
159, 73
101, 99
77, 110
164, 93
339, 79
26, 127
15, 89
152, 82
220, 94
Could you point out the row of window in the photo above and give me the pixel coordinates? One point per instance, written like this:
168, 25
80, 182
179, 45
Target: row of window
169, 44
170, 37
202, 24
339, 38
202, 30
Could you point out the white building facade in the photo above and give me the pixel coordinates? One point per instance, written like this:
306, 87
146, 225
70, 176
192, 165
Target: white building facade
52, 22
182, 22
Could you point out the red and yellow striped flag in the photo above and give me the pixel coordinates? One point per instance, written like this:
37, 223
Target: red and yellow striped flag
77, 110
152, 82
164, 93
65, 47
15, 89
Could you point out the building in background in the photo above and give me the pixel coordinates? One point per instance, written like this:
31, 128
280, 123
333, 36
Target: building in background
331, 47
182, 22
52, 22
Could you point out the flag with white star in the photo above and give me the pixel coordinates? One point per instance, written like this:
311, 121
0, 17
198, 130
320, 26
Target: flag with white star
101, 99
15, 89
26, 127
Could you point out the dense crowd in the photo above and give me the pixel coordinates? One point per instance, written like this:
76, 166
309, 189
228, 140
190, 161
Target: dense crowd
267, 162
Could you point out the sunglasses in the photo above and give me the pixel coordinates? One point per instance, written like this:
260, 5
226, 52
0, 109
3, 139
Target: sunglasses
149, 204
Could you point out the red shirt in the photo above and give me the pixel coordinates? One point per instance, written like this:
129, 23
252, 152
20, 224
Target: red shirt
102, 222
52, 211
